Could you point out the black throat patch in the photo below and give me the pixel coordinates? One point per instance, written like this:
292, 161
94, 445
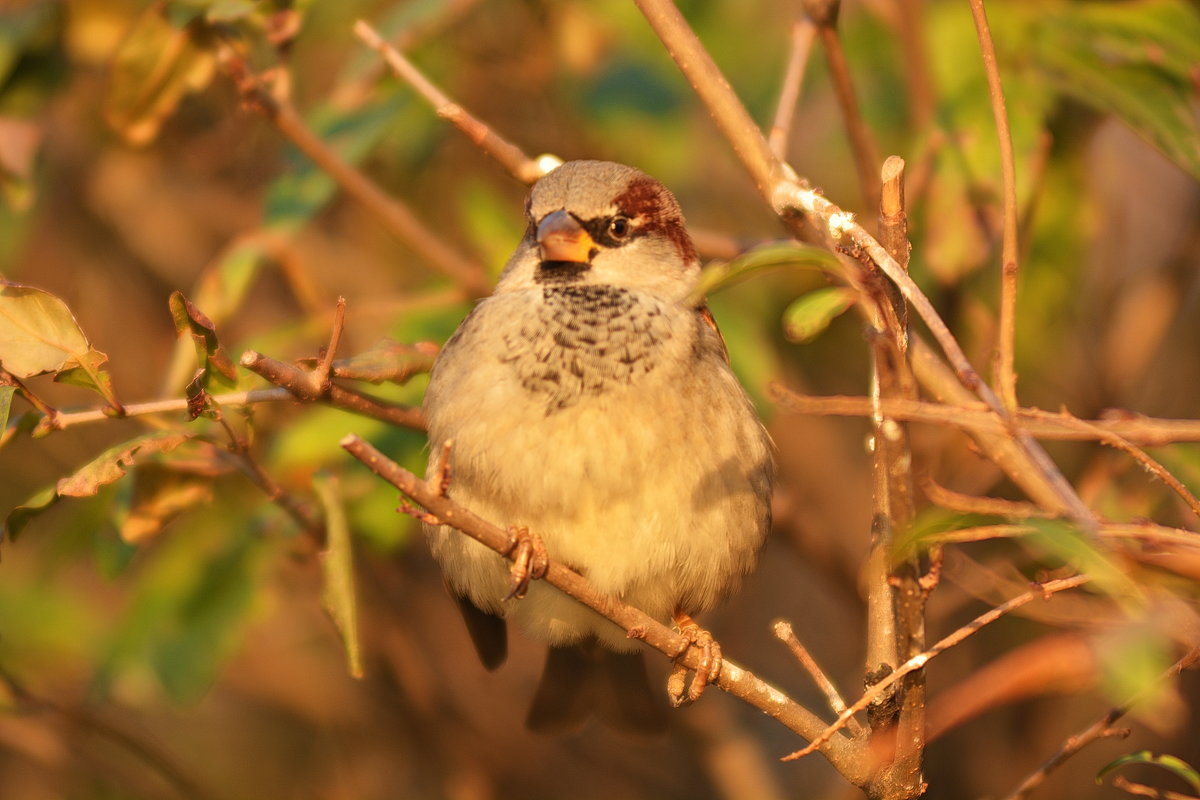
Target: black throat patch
554, 272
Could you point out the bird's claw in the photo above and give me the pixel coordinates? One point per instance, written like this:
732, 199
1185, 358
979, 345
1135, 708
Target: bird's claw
708, 670
529, 561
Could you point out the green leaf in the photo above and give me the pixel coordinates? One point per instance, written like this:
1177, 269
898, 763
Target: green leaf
39, 335
1134, 60
20, 516
718, 275
1061, 540
6, 394
337, 567
294, 198
1170, 763
809, 316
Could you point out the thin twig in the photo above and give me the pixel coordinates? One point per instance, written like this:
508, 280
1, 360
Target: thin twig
1006, 379
511, 157
919, 661
1146, 431
68, 419
1142, 790
787, 194
784, 632
842, 752
804, 32
299, 383
1097, 730
971, 504
401, 220
824, 14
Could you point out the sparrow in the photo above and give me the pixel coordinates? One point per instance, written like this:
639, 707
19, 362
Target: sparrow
589, 401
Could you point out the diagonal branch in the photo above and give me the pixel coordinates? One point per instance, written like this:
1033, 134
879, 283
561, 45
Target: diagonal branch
511, 157
787, 193
843, 753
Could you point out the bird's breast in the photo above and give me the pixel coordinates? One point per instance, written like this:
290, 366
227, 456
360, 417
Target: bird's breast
583, 342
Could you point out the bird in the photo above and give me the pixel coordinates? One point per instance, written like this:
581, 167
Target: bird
588, 404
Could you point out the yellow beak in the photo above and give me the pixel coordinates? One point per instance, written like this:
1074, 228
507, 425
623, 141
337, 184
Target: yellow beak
562, 238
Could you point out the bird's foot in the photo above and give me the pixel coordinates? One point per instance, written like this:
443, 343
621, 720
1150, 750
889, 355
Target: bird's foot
529, 560
708, 670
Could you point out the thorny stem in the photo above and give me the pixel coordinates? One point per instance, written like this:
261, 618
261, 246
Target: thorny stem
842, 752
1006, 380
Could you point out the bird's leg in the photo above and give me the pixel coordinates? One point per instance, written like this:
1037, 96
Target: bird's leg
529, 560
710, 661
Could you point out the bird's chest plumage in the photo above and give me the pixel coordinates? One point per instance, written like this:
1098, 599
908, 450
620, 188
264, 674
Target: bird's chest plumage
583, 342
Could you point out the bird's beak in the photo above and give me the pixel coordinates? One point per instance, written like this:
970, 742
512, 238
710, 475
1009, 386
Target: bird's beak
561, 238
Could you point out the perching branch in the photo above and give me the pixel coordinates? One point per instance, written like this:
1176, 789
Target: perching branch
843, 753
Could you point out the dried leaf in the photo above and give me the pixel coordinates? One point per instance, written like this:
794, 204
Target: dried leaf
110, 465
210, 354
156, 66
160, 494
337, 567
39, 335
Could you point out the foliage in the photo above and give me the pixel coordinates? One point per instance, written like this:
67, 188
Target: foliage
201, 595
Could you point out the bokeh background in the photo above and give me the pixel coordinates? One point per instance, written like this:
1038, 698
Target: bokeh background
198, 662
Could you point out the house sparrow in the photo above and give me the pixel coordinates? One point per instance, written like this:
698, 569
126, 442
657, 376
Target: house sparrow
589, 400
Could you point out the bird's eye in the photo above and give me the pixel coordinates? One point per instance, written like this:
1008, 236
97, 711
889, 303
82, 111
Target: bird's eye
618, 227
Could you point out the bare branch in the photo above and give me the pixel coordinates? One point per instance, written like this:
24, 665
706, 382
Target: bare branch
787, 194
1006, 379
804, 32
919, 661
824, 14
468, 274
784, 632
511, 157
843, 753
1097, 730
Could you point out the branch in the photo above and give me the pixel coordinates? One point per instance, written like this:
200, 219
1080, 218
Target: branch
468, 274
920, 660
866, 154
1097, 730
784, 632
511, 157
302, 385
804, 32
787, 193
1006, 379
843, 753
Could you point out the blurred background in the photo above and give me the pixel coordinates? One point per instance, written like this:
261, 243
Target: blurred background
196, 661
